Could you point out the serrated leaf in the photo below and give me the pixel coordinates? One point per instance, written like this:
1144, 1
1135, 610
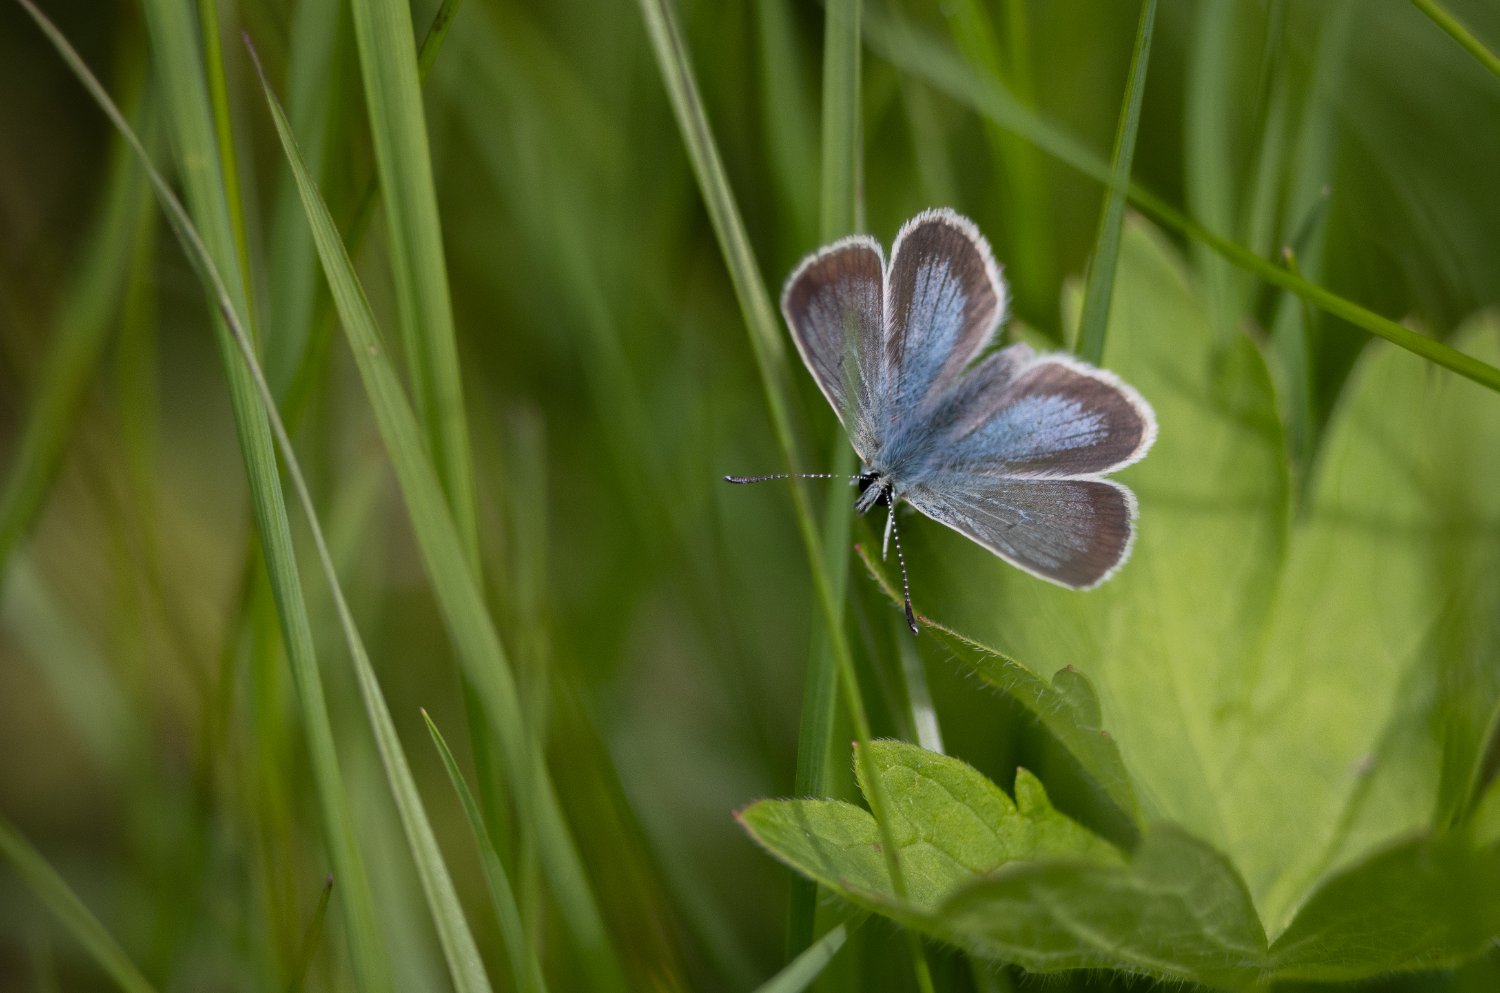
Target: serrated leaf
1429, 903
951, 824
1067, 705
1178, 910
1017, 881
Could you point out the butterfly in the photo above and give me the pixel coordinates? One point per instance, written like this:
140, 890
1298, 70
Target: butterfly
1007, 447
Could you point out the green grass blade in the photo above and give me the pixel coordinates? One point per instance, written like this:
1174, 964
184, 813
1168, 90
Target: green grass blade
82, 328
458, 943
459, 947
804, 970
919, 56
1208, 164
1023, 191
294, 330
218, 91
312, 937
842, 134
298, 349
840, 214
393, 71
770, 355
526, 971
190, 118
432, 41
1456, 30
393, 93
1101, 280
787, 117
64, 904
446, 558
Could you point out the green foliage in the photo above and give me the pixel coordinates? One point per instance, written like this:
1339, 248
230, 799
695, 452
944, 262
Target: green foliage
1020, 882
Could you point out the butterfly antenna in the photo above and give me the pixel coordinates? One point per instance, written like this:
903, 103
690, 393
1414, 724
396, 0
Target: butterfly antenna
788, 475
895, 532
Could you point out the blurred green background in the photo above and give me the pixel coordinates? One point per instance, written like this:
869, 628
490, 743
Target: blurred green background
659, 622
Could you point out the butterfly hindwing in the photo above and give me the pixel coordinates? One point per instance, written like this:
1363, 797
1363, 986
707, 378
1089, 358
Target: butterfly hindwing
1075, 532
1054, 417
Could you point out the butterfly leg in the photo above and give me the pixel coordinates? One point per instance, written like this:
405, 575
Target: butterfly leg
890, 522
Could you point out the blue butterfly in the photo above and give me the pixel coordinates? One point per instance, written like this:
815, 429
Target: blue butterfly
1009, 449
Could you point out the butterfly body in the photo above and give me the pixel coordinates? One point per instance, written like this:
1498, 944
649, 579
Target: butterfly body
1005, 446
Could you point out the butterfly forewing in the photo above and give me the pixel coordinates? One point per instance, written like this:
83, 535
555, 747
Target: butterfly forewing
1071, 531
944, 301
1054, 417
834, 305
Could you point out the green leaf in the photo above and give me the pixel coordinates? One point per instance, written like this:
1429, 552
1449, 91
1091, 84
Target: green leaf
1018, 881
950, 823
1178, 910
1426, 904
1067, 705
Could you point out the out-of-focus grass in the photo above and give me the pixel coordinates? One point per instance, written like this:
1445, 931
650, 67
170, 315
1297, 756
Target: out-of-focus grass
659, 623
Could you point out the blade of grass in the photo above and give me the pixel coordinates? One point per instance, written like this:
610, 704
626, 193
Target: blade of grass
398, 127
456, 588
190, 118
218, 91
770, 355
432, 41
804, 970
312, 937
842, 134
82, 326
393, 71
298, 325
1101, 278
1024, 200
64, 904
526, 971
1456, 30
1267, 174
839, 215
458, 943
1209, 171
785, 116
908, 50
318, 45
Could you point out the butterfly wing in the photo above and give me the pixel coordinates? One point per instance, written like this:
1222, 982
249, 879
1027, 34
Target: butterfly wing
944, 301
834, 304
1074, 532
1020, 442
1052, 417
